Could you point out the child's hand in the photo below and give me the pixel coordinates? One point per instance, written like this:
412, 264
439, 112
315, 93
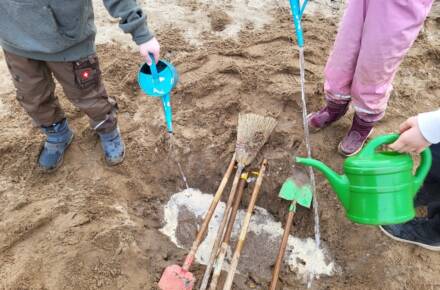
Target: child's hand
151, 46
411, 139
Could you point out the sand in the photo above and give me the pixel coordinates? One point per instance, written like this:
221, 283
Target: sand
88, 226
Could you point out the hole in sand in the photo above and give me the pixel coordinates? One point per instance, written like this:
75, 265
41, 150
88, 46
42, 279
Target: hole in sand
262, 243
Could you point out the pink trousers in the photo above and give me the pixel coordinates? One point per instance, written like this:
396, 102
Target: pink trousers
372, 40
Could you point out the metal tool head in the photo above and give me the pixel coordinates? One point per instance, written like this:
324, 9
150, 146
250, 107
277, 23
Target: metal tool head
297, 188
176, 278
158, 79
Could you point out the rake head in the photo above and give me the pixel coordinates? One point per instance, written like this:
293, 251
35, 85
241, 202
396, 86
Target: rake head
252, 133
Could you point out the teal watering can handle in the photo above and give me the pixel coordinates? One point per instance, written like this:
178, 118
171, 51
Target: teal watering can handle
425, 163
153, 67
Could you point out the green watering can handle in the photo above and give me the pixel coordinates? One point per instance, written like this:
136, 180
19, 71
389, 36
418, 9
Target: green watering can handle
423, 170
425, 163
370, 148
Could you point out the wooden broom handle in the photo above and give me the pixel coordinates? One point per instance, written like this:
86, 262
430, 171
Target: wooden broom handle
244, 229
235, 207
276, 270
228, 233
221, 229
190, 257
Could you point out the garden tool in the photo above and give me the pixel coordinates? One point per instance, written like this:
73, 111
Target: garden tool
227, 237
157, 80
179, 278
245, 227
297, 190
297, 13
378, 187
252, 133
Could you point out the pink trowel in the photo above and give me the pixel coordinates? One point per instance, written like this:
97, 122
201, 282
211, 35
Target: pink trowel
177, 278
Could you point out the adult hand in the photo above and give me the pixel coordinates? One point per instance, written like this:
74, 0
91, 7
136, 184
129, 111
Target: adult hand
152, 46
411, 139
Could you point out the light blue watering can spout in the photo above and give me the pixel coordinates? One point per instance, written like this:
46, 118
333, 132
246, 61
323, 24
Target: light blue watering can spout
166, 103
297, 13
157, 80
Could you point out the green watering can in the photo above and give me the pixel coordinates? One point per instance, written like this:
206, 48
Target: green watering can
378, 187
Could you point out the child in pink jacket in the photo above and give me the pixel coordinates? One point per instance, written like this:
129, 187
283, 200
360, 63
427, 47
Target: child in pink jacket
372, 41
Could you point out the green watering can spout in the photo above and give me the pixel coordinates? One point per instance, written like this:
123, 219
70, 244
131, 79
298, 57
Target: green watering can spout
338, 182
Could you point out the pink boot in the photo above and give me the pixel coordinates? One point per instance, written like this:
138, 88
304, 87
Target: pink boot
327, 115
356, 137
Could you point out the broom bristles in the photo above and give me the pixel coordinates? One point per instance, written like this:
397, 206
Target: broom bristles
252, 133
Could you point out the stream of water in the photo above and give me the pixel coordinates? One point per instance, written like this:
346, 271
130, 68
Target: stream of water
309, 154
173, 151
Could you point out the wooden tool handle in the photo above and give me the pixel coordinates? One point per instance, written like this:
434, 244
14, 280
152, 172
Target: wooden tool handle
235, 207
190, 257
276, 270
244, 229
228, 233
218, 266
221, 229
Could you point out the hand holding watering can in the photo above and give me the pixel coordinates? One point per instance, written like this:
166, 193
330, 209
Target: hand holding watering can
378, 187
157, 80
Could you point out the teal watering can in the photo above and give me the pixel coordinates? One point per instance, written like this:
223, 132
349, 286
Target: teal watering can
157, 80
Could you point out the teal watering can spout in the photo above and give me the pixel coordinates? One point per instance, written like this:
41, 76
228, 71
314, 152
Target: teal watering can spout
166, 99
157, 80
166, 103
339, 183
297, 13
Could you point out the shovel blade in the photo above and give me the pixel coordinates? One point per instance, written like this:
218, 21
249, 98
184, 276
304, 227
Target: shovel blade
176, 278
297, 188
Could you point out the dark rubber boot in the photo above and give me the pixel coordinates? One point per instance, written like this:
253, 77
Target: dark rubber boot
357, 135
59, 137
327, 115
113, 147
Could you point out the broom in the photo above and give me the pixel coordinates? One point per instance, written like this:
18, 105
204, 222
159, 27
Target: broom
252, 133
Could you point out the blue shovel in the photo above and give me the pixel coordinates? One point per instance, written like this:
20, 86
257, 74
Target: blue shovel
157, 80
